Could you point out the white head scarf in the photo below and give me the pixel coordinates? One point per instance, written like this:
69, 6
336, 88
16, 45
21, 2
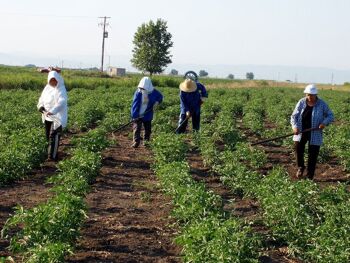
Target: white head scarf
54, 100
146, 84
57, 76
145, 87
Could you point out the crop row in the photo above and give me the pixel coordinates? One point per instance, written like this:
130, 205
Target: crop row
314, 222
207, 233
49, 230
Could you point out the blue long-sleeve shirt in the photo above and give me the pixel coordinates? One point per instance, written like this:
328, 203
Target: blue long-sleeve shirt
191, 101
321, 114
153, 97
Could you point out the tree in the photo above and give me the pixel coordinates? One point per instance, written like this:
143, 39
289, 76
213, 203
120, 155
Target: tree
174, 72
203, 73
151, 47
230, 76
249, 75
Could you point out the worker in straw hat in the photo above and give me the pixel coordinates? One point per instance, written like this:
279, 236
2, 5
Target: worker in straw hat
192, 95
310, 113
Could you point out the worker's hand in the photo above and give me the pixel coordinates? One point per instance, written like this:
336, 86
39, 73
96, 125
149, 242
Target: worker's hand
188, 114
296, 131
42, 109
322, 126
155, 105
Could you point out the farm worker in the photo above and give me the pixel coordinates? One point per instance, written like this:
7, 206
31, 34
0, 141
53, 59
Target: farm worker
192, 95
310, 112
146, 98
53, 106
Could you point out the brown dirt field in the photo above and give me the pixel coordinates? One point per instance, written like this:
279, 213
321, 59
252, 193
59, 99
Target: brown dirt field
29, 191
128, 215
325, 174
245, 208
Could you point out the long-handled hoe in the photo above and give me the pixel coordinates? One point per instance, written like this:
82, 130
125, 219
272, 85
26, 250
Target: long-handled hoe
283, 136
128, 123
182, 123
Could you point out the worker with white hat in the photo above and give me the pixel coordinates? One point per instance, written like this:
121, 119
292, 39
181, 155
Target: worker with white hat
312, 113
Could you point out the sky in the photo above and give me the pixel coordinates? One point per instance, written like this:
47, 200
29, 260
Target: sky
290, 33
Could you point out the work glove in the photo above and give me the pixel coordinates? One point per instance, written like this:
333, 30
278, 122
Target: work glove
42, 109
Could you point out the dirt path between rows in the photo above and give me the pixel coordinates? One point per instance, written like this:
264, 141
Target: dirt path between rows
30, 191
325, 174
244, 208
128, 215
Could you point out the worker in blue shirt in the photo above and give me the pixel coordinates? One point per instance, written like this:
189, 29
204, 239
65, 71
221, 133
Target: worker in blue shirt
192, 95
146, 97
310, 113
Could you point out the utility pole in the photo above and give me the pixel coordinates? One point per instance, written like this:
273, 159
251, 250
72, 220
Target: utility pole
104, 35
332, 79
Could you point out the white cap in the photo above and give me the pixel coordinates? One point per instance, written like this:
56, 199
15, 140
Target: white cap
311, 89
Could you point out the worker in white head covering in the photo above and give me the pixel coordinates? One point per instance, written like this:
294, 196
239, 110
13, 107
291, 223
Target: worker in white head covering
53, 106
146, 97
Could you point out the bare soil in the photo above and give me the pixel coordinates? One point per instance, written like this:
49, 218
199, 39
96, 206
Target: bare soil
30, 191
129, 218
128, 215
277, 154
244, 208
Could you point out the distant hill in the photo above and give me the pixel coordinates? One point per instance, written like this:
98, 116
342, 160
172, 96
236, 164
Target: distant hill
266, 72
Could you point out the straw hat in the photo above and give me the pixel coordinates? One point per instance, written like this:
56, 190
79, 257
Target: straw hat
188, 85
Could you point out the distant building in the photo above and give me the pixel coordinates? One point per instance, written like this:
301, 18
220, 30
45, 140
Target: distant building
112, 71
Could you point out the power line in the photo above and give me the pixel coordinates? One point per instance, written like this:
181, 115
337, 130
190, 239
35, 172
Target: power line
104, 35
45, 15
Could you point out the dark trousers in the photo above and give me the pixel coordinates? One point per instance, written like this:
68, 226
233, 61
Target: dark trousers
137, 126
313, 151
196, 118
53, 139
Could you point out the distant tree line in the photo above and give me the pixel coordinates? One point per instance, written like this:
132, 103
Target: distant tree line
249, 75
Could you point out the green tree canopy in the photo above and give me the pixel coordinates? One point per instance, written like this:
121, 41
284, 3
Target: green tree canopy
249, 75
174, 72
151, 47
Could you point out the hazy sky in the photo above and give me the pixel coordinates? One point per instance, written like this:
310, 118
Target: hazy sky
267, 32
